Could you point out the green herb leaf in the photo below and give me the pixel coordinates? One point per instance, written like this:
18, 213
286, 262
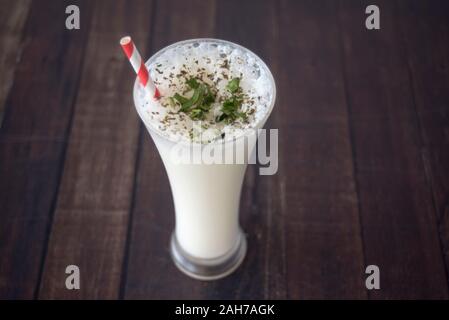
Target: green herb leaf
193, 83
197, 114
180, 98
231, 107
193, 100
201, 101
210, 97
233, 85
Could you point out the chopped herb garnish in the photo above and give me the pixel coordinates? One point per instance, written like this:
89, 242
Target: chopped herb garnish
197, 94
233, 85
200, 102
231, 107
197, 114
203, 96
180, 98
192, 83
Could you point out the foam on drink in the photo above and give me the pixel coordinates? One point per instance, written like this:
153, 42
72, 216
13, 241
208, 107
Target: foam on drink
215, 64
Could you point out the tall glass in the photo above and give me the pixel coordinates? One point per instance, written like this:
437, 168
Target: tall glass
207, 242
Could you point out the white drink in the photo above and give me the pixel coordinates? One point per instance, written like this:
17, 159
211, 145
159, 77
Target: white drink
206, 196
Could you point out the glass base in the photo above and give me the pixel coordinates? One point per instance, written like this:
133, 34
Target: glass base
208, 269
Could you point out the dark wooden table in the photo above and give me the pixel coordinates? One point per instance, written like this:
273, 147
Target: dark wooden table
363, 118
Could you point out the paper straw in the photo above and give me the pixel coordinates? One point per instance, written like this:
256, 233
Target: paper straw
139, 66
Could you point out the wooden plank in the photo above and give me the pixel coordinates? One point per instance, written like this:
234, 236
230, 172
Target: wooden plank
12, 22
325, 257
399, 227
425, 30
32, 142
91, 216
150, 272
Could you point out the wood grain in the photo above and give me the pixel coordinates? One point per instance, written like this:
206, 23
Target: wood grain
12, 22
150, 272
425, 30
32, 142
398, 220
325, 257
91, 216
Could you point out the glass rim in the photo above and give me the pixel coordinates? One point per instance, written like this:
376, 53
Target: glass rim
217, 142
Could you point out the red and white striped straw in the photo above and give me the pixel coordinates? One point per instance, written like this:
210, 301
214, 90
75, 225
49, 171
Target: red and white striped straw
139, 66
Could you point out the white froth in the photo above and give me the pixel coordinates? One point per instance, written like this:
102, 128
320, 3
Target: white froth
210, 61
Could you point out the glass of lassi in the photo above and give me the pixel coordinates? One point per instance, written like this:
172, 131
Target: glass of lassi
215, 96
